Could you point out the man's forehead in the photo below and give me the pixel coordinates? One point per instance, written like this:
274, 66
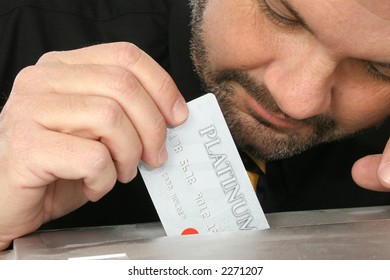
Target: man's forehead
381, 8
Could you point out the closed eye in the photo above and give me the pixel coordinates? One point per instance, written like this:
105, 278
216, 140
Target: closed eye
278, 13
378, 70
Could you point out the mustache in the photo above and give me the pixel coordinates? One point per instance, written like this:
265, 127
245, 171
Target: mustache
225, 78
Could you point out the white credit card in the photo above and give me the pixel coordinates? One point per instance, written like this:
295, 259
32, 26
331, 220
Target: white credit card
203, 187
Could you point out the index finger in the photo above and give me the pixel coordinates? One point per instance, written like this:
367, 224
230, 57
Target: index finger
154, 79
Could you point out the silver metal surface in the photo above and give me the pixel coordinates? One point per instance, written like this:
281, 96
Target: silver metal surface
331, 216
7, 255
359, 233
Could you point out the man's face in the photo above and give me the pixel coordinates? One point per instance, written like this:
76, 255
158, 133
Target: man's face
290, 74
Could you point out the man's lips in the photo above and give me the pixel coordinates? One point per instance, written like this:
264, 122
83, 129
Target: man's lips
274, 119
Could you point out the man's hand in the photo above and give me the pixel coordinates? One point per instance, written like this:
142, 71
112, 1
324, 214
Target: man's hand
76, 122
373, 171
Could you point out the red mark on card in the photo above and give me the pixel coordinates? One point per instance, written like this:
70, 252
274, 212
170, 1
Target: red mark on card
188, 231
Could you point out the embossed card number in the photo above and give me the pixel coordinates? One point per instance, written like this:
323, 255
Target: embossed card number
203, 187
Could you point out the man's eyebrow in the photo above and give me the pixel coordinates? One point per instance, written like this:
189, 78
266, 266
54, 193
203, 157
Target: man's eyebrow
298, 16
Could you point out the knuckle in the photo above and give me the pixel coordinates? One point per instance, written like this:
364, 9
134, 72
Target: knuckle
98, 158
123, 82
110, 113
48, 57
31, 78
25, 76
127, 54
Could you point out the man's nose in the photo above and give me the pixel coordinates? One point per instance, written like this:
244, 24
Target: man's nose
302, 82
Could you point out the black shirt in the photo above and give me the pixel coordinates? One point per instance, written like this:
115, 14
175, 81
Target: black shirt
317, 179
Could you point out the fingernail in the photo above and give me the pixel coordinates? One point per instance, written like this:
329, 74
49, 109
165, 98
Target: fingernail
180, 110
163, 155
384, 173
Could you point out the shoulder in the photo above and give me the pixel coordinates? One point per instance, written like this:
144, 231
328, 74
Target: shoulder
93, 9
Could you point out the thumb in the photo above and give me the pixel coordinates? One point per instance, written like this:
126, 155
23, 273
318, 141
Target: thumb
373, 171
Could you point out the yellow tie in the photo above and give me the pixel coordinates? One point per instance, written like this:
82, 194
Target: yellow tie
254, 176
